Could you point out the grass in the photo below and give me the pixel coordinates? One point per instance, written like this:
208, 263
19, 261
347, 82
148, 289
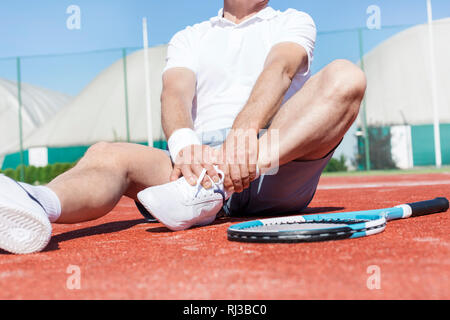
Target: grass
418, 170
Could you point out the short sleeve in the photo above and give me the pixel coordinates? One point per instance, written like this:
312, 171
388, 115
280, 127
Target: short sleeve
298, 27
181, 52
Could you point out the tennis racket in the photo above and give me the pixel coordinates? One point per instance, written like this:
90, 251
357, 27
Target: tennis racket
333, 226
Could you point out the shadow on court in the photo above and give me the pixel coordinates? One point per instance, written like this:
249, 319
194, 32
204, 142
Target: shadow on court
224, 220
102, 229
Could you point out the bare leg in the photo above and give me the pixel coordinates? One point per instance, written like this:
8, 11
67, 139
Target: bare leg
107, 172
317, 117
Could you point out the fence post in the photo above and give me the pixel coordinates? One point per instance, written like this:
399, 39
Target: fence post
434, 89
127, 119
364, 104
19, 99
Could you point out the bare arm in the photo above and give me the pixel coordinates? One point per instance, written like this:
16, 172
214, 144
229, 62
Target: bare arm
176, 106
283, 62
176, 99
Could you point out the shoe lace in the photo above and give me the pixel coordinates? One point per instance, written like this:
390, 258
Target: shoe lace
200, 192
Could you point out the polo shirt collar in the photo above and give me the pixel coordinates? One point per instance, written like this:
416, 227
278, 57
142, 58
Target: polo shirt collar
265, 14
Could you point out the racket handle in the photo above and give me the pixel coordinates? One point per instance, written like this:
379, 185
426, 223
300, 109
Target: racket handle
428, 207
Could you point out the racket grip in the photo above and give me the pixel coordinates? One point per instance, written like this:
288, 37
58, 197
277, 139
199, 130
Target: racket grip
428, 207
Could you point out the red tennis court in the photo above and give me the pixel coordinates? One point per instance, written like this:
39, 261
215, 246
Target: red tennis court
122, 257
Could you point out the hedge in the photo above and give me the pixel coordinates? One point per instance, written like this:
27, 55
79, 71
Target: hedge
337, 165
41, 175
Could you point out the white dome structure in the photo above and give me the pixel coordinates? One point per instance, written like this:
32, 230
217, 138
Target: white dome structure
38, 106
398, 77
98, 113
399, 100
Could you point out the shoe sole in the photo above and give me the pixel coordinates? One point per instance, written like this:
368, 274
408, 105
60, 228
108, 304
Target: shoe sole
146, 200
22, 231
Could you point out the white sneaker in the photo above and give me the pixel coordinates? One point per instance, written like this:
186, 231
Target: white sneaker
179, 205
24, 225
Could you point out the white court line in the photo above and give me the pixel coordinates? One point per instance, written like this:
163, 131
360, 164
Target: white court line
383, 184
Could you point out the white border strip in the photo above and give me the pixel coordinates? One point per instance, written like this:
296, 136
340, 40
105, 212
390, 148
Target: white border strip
407, 210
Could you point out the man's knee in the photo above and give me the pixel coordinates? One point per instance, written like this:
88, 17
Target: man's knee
345, 81
99, 149
104, 154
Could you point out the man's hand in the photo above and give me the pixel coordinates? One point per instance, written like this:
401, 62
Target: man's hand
239, 155
192, 160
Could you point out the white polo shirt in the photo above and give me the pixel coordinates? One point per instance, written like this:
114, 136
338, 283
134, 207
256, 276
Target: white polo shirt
227, 59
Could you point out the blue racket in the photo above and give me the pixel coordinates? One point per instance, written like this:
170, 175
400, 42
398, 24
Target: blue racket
333, 226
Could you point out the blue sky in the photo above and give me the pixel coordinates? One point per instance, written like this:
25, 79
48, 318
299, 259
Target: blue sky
36, 27
39, 27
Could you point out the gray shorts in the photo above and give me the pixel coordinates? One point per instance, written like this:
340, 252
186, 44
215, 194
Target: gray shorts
289, 191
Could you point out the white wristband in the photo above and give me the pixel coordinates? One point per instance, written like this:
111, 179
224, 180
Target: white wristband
180, 139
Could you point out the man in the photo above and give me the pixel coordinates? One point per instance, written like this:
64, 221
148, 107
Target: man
245, 70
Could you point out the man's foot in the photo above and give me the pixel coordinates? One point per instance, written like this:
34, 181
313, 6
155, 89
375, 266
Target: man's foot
24, 225
179, 206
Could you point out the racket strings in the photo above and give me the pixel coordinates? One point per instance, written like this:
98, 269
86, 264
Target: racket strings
311, 222
325, 231
276, 232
